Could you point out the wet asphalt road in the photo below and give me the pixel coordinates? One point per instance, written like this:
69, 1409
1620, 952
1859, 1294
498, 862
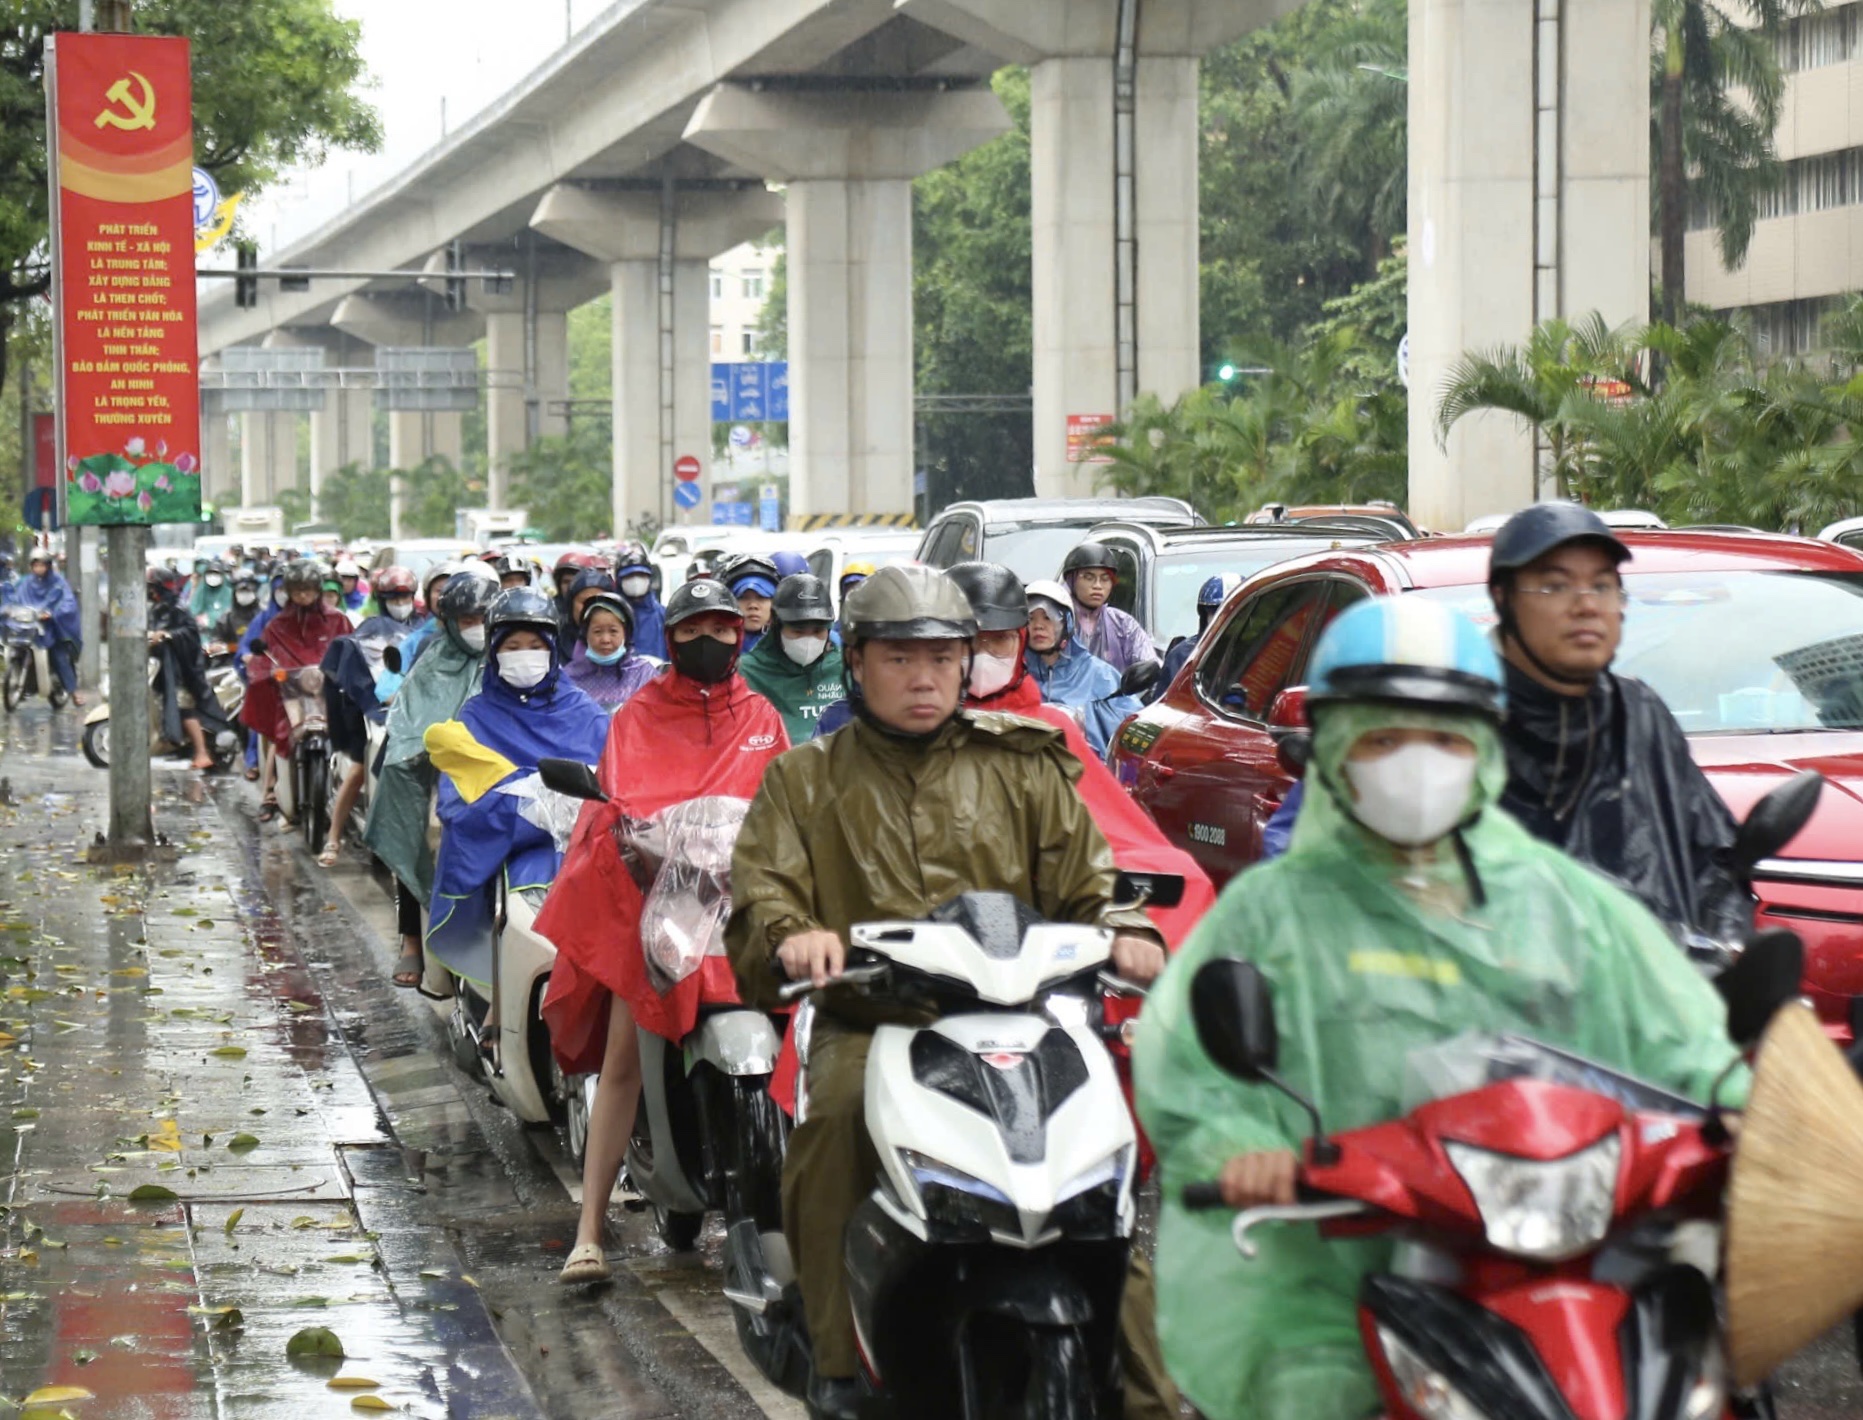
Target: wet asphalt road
150, 1017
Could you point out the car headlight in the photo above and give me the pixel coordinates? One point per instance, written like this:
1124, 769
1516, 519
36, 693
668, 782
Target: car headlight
1547, 1211
1424, 1388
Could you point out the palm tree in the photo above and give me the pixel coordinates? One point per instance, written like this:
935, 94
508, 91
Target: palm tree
1717, 91
1549, 383
1352, 112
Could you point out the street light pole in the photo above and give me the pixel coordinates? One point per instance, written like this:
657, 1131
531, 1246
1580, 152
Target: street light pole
132, 826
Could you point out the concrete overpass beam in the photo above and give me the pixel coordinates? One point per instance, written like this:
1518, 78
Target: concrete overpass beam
849, 161
402, 321
1529, 199
219, 475
624, 230
505, 429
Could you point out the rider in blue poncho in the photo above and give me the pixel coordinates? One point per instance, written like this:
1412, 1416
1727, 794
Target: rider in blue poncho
60, 626
492, 817
1069, 674
634, 576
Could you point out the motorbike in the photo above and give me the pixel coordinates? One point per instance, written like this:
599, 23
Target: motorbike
304, 781
708, 1136
28, 664
986, 1269
1559, 1218
501, 1038
225, 744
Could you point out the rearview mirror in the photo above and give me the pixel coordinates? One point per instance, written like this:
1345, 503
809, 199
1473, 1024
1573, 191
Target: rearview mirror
1776, 820
1765, 978
1140, 677
571, 777
1232, 1005
1289, 728
1155, 889
391, 659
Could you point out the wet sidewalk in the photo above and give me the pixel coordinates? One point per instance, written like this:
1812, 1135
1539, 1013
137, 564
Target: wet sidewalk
194, 1168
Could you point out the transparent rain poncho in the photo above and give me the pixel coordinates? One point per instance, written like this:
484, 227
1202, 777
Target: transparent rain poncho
681, 856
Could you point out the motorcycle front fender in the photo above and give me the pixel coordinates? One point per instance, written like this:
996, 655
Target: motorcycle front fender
98, 713
735, 1043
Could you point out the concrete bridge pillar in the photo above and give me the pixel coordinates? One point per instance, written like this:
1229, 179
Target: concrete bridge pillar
849, 160
1529, 199
656, 424
1113, 187
268, 457
219, 475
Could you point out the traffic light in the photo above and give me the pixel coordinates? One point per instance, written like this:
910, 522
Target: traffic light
1225, 372
246, 288
455, 285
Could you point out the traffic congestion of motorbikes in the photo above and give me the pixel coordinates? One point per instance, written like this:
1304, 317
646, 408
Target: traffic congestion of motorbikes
920, 915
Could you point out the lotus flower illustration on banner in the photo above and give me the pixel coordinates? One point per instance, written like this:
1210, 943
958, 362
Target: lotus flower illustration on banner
141, 484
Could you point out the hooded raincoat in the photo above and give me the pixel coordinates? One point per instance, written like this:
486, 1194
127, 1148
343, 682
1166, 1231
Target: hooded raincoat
209, 604
439, 684
50, 592
649, 626
495, 814
675, 740
1607, 776
1114, 636
296, 637
1373, 953
799, 693
610, 686
1083, 684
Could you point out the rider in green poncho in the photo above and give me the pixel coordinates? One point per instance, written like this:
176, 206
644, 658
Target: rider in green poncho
1407, 911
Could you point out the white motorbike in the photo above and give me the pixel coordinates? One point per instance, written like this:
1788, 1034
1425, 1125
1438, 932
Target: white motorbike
501, 1037
28, 669
986, 1270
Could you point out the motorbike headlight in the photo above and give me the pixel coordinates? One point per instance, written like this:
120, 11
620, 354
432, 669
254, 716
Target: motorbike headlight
927, 1170
1545, 1211
1111, 1169
1424, 1388
310, 681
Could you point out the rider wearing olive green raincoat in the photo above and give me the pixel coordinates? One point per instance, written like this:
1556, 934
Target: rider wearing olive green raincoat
1374, 950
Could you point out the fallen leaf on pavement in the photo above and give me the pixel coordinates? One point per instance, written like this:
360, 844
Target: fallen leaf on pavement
354, 1383
315, 1341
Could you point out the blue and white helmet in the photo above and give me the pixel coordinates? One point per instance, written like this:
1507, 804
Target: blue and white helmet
1410, 651
1216, 590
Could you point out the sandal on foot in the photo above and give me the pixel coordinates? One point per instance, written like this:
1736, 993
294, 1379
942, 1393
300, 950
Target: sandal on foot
586, 1264
332, 852
268, 809
252, 774
408, 970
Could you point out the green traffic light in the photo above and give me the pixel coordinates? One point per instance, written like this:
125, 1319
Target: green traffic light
1226, 373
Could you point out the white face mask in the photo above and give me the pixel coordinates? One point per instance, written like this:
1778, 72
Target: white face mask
522, 669
805, 650
636, 585
214, 579
400, 610
989, 674
245, 596
1414, 795
472, 637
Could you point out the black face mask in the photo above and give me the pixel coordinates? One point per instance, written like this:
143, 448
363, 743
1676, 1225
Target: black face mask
705, 659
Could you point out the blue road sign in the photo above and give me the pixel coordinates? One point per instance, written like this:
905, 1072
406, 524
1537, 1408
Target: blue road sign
731, 515
769, 511
750, 392
686, 495
41, 509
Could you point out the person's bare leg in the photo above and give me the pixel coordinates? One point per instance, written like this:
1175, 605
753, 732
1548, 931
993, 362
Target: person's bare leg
345, 804
268, 778
611, 1121
197, 737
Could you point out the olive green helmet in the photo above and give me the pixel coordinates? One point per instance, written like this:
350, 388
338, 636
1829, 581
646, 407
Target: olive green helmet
907, 602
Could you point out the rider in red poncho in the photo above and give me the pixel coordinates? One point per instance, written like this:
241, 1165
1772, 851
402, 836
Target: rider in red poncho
697, 730
293, 639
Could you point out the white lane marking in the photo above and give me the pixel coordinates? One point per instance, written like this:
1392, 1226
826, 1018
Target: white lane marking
706, 1314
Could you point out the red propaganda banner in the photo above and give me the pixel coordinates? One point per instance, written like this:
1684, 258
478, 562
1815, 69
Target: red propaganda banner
45, 451
122, 147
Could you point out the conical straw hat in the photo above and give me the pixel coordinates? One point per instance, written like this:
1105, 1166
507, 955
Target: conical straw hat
1795, 1202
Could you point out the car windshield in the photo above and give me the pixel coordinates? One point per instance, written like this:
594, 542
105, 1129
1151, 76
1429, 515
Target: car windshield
1738, 652
1178, 576
1033, 551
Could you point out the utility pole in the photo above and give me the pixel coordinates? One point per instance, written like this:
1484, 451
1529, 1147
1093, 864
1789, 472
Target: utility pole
132, 826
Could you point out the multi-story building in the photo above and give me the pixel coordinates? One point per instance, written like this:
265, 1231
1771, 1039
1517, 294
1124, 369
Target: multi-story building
740, 286
1807, 251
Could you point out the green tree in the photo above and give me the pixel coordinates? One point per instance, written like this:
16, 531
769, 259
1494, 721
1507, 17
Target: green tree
566, 484
274, 86
1717, 92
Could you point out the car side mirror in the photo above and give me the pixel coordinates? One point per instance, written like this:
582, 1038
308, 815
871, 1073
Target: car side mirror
1232, 1005
1776, 820
391, 659
1140, 677
258, 648
1764, 978
1289, 728
571, 777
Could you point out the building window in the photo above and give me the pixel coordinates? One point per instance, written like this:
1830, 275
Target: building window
1817, 41
717, 340
753, 285
752, 339
1787, 328
718, 285
1814, 184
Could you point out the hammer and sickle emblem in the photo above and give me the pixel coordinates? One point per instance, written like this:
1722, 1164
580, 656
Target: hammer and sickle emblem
140, 114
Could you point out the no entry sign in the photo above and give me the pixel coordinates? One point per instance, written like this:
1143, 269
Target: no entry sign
122, 176
686, 468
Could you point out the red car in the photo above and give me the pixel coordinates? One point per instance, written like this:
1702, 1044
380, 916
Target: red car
1755, 641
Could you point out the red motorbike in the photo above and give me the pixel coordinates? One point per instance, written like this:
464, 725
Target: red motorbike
1561, 1217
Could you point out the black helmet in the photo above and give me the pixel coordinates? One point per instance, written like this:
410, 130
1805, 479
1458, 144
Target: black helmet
802, 597
520, 608
216, 568
631, 556
304, 572
163, 582
697, 597
745, 566
907, 602
245, 578
995, 593
1533, 532
1089, 554
466, 596
608, 601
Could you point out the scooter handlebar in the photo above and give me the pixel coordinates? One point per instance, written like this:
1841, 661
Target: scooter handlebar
1203, 1197
853, 976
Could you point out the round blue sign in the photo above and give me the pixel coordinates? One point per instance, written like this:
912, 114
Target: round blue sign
206, 199
686, 495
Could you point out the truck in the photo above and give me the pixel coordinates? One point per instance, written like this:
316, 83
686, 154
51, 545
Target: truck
258, 524
485, 527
